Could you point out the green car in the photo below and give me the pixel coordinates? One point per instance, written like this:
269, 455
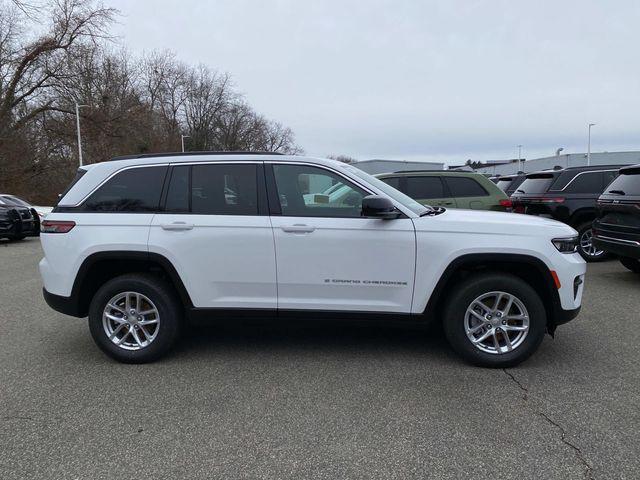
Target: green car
449, 189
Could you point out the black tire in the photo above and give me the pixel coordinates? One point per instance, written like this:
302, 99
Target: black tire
472, 288
17, 238
585, 229
632, 264
166, 302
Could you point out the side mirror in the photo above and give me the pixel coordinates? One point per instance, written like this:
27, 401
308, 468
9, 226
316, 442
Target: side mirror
377, 206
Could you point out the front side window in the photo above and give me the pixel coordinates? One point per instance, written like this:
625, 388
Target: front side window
465, 187
504, 183
393, 181
305, 191
134, 190
423, 187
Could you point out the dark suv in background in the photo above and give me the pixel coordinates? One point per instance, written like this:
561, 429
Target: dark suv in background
568, 195
616, 228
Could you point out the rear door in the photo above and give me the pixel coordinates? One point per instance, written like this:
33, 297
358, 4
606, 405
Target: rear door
216, 232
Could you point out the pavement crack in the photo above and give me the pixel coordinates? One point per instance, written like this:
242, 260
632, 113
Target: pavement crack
588, 469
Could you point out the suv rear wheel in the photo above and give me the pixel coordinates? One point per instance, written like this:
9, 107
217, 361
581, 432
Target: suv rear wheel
586, 248
495, 320
135, 318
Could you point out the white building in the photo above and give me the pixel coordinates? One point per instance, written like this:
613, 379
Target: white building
377, 165
568, 160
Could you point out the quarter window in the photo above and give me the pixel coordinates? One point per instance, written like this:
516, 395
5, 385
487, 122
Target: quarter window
465, 187
132, 190
591, 182
314, 192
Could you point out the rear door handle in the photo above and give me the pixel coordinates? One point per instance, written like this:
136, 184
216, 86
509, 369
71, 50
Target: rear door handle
298, 228
177, 226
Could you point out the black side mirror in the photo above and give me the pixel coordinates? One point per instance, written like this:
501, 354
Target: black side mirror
377, 206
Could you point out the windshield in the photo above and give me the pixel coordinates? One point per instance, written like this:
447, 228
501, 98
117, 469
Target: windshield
398, 196
535, 185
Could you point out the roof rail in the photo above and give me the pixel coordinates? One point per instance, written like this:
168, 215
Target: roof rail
180, 154
423, 170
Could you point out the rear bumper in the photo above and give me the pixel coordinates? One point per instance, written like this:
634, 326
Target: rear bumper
67, 305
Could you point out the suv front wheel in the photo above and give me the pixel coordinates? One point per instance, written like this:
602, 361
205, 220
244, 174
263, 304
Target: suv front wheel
495, 320
135, 318
586, 248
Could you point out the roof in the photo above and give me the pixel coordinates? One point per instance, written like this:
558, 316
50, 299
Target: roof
450, 173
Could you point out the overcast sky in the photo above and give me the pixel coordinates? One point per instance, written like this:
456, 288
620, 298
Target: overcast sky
447, 80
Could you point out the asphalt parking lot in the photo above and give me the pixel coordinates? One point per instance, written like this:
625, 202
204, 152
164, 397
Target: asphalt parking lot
321, 401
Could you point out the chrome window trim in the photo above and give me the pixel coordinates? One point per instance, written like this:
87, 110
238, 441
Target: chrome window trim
617, 240
167, 164
582, 173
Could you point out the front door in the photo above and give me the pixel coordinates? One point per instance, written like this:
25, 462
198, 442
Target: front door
328, 256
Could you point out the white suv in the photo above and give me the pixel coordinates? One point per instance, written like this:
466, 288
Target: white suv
143, 244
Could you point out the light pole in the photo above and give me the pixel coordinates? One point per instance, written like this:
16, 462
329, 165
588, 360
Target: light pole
519, 157
78, 107
589, 146
182, 137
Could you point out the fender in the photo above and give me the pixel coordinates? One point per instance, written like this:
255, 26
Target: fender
533, 267
86, 283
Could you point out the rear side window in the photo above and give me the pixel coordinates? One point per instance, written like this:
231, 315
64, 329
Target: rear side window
178, 191
423, 187
588, 182
465, 187
133, 190
627, 184
224, 189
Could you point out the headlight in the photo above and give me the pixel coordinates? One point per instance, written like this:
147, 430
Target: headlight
566, 245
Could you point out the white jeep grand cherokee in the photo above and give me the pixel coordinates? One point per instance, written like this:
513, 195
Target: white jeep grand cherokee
142, 244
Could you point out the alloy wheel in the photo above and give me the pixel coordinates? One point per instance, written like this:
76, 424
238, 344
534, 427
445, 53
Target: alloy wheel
587, 246
131, 320
496, 322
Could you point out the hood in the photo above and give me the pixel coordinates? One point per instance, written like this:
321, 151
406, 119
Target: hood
499, 223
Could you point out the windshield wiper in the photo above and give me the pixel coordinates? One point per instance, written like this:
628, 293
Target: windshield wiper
617, 192
521, 191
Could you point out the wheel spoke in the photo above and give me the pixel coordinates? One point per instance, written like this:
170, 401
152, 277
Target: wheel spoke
507, 308
519, 318
128, 332
127, 302
115, 307
498, 300
147, 322
137, 338
116, 331
507, 341
137, 301
483, 337
476, 328
119, 320
478, 316
147, 312
515, 328
144, 331
481, 305
496, 343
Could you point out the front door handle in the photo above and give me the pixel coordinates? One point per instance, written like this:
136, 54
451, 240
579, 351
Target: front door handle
298, 228
177, 226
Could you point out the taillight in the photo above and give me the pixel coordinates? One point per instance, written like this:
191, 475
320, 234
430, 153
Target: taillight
506, 203
56, 226
550, 200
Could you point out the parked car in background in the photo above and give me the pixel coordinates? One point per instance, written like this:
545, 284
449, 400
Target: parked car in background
568, 195
17, 223
450, 189
510, 183
13, 200
616, 228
